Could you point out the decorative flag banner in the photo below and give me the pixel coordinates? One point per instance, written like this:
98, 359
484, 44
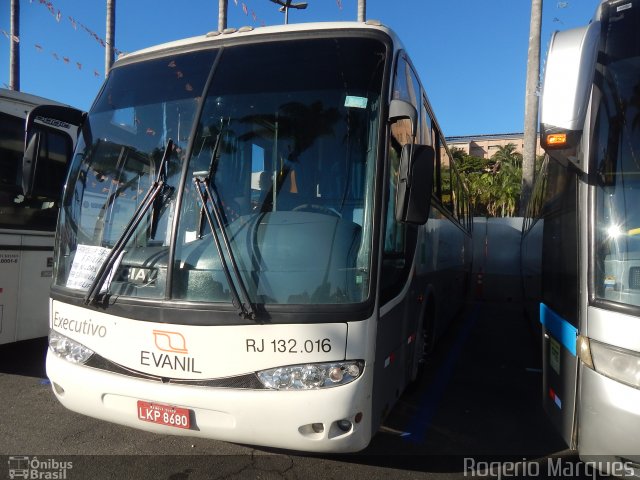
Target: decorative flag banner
15, 38
75, 23
249, 11
65, 59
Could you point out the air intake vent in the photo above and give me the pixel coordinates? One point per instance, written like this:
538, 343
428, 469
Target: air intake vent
634, 278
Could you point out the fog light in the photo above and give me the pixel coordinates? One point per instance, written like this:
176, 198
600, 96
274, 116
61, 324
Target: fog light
358, 417
317, 427
344, 425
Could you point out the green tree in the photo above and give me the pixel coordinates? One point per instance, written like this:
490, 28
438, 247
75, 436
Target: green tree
494, 184
507, 183
507, 154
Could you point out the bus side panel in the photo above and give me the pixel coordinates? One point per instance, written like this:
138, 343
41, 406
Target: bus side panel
439, 284
531, 262
10, 262
26, 265
393, 355
444, 260
36, 269
559, 367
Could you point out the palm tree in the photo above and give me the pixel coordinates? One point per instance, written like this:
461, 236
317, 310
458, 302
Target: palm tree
508, 176
507, 154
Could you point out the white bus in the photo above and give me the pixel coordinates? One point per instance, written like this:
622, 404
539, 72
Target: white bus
581, 248
28, 218
242, 251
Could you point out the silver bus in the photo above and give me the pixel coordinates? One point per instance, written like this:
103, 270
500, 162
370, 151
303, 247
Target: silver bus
29, 202
581, 237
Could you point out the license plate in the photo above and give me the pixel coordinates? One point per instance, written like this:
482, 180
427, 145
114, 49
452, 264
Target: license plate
164, 414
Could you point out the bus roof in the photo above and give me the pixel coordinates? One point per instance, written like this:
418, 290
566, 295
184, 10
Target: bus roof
20, 103
215, 37
12, 95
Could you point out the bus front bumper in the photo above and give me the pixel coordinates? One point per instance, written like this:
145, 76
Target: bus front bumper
609, 423
279, 419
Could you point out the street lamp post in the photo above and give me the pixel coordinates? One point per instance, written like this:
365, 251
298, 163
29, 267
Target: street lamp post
285, 5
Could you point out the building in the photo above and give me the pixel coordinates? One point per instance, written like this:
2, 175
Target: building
484, 146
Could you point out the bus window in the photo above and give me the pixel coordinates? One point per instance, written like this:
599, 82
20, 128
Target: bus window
39, 213
396, 249
445, 177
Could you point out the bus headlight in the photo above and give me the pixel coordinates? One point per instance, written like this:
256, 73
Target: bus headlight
68, 349
311, 375
616, 363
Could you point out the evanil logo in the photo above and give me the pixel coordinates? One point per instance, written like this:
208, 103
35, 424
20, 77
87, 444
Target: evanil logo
173, 353
170, 341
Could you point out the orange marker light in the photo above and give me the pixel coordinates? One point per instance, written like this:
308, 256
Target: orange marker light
557, 139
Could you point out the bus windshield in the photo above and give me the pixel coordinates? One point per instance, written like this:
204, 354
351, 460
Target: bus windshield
283, 134
617, 150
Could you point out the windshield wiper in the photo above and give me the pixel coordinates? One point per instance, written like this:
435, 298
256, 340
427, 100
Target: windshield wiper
158, 187
240, 295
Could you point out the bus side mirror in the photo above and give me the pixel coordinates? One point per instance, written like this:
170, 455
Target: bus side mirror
399, 109
415, 183
55, 115
29, 161
569, 72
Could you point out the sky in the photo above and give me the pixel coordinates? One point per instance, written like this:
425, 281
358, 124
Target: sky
471, 55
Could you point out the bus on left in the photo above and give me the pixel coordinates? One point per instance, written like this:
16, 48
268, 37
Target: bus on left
29, 199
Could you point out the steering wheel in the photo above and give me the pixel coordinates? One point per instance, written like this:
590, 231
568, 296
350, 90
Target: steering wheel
315, 208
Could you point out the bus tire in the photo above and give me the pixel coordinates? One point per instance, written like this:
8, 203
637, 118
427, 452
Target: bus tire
423, 347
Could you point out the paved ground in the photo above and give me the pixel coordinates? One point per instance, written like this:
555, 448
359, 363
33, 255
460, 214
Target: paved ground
480, 400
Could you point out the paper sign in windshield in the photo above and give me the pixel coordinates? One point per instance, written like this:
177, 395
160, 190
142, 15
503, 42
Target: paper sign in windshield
86, 263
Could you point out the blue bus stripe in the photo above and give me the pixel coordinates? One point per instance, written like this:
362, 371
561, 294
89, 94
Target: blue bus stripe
560, 328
